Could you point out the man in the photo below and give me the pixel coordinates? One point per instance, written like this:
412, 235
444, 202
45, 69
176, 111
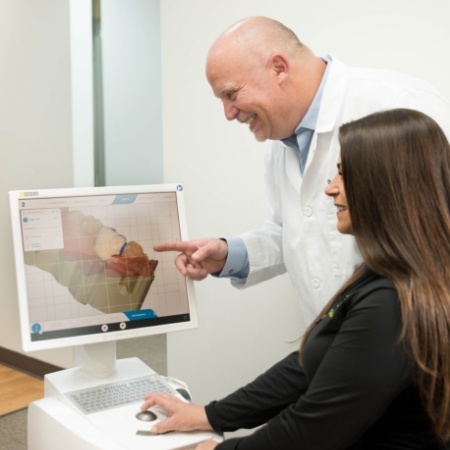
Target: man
295, 100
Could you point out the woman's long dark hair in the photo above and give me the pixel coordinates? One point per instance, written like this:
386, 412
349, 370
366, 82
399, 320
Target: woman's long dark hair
396, 173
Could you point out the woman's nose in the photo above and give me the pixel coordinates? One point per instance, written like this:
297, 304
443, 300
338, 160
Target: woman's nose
331, 188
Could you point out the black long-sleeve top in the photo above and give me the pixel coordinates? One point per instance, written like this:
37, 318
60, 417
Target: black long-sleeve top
354, 389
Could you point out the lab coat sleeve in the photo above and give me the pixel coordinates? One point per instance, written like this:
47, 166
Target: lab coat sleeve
265, 244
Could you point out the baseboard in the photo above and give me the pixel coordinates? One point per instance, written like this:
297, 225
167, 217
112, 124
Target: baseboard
25, 363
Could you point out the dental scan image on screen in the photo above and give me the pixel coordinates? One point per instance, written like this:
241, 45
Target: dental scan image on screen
85, 262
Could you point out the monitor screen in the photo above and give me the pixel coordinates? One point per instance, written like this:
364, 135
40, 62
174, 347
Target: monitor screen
86, 270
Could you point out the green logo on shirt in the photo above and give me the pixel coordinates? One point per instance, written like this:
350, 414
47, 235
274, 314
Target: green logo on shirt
332, 311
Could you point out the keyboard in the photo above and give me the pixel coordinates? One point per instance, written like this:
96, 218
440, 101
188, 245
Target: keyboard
112, 395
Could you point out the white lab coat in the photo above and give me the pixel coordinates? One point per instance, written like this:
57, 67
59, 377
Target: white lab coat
301, 235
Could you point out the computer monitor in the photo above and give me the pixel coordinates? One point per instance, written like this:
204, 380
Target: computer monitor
87, 273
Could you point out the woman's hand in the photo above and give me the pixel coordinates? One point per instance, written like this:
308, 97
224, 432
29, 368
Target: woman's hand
182, 416
208, 445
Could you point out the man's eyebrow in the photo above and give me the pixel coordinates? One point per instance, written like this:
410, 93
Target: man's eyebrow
221, 92
229, 90
224, 92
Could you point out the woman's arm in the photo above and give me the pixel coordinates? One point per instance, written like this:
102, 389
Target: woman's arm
265, 397
358, 378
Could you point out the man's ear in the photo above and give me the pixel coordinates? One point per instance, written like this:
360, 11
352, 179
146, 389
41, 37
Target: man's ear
279, 65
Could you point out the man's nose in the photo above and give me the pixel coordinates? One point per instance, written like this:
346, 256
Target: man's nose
230, 110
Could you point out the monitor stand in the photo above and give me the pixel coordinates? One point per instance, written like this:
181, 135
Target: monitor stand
55, 421
95, 365
96, 360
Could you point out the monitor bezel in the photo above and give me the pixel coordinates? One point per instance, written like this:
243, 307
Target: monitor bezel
29, 345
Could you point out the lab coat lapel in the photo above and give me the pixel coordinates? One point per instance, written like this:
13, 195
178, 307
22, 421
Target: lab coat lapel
323, 152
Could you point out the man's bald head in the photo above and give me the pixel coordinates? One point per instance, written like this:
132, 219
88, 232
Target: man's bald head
265, 77
257, 37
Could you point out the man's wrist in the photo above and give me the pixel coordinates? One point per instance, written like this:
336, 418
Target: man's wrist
236, 264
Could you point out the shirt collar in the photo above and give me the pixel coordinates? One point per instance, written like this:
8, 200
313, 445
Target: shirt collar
309, 120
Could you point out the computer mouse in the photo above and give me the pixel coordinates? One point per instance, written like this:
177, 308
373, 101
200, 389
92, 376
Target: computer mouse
184, 393
146, 416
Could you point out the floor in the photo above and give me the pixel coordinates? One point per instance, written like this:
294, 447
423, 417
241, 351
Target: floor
18, 389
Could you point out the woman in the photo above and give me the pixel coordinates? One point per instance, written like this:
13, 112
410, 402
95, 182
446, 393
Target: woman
373, 371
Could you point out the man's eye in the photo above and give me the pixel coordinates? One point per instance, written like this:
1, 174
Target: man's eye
231, 95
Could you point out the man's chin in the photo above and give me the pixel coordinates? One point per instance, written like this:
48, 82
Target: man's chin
260, 137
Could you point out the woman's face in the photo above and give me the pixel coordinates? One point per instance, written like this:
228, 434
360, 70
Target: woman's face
335, 189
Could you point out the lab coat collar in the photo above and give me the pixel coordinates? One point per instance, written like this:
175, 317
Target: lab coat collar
333, 95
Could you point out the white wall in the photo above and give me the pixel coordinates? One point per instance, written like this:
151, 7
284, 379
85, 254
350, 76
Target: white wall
46, 112
35, 124
242, 332
131, 53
